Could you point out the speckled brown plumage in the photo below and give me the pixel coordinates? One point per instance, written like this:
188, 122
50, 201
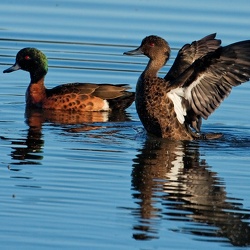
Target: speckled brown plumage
156, 110
79, 97
71, 96
202, 75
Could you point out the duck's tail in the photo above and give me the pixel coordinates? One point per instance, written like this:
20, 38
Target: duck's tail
122, 102
208, 136
200, 136
212, 136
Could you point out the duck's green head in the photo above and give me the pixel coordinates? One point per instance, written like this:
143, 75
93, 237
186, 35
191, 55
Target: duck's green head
31, 60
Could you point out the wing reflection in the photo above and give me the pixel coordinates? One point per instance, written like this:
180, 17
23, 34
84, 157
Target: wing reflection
29, 150
171, 182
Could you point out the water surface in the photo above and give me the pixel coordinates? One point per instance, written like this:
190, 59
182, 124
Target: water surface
97, 181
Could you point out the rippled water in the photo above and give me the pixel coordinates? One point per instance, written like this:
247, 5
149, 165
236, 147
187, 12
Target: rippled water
70, 182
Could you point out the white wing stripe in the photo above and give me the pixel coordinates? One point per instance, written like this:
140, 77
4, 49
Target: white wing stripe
188, 92
176, 96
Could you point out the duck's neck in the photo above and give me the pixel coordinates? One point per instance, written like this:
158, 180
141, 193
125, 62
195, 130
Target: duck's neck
37, 75
36, 93
154, 66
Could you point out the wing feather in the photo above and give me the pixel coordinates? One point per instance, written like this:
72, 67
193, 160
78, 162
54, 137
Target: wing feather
191, 52
210, 79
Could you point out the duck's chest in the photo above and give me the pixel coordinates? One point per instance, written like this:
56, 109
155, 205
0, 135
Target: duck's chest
35, 95
151, 94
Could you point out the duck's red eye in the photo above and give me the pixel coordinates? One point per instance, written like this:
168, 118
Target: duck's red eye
27, 58
151, 44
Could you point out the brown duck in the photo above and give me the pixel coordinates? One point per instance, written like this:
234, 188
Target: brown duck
202, 75
71, 96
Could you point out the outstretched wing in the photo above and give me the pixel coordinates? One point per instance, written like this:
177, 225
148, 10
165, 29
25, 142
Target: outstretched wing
206, 83
190, 53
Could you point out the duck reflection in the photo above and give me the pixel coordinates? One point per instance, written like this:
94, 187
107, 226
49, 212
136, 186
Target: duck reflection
171, 182
30, 149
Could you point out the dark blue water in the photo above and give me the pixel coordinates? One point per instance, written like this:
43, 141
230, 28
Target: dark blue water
98, 182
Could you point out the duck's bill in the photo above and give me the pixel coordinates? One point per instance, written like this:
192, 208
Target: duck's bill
137, 51
12, 68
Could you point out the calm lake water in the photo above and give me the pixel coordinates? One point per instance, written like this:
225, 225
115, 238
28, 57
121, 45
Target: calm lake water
87, 183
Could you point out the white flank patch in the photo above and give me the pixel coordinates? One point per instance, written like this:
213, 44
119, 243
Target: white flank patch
105, 106
176, 96
105, 116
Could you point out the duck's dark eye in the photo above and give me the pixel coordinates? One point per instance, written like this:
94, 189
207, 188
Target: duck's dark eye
151, 44
27, 57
